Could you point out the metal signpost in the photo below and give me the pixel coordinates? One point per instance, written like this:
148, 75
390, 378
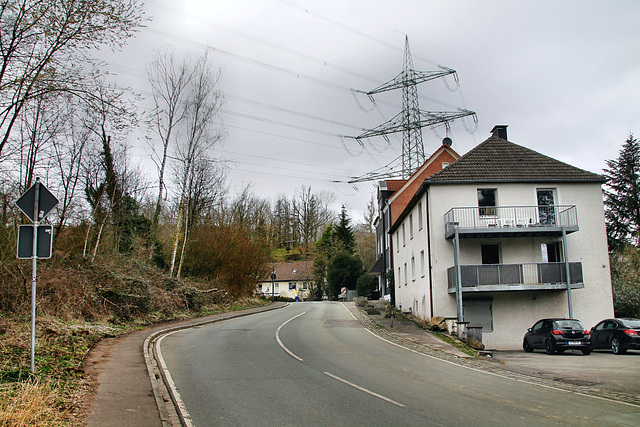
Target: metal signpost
36, 203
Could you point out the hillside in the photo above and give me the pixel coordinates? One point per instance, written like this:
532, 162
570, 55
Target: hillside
78, 304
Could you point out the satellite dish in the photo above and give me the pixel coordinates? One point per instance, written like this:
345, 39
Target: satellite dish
447, 141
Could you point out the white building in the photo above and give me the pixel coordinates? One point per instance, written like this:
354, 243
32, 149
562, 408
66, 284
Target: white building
491, 238
292, 279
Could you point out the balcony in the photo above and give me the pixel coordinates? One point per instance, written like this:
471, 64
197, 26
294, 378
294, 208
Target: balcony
510, 221
516, 277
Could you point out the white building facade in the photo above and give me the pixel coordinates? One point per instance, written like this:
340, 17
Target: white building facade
492, 238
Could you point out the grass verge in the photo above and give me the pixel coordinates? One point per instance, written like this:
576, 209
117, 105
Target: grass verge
57, 393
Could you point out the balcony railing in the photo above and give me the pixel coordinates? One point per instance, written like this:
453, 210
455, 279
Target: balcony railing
502, 277
511, 219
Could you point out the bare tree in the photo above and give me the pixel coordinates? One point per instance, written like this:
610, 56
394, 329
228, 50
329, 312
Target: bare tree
169, 78
206, 189
70, 149
198, 134
284, 220
41, 123
110, 117
312, 213
42, 43
370, 215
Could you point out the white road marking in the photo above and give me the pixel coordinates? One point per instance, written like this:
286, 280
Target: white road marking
171, 384
289, 352
372, 393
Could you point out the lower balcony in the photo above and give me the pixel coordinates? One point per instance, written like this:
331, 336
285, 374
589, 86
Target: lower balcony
516, 277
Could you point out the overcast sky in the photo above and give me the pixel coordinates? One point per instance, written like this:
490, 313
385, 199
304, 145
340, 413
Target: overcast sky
563, 75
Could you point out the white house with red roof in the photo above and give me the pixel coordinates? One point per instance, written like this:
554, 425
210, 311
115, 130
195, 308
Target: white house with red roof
500, 238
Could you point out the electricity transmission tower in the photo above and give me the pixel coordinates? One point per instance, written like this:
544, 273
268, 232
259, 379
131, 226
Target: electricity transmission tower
410, 120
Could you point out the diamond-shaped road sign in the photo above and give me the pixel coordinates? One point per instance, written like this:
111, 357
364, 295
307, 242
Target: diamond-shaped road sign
46, 201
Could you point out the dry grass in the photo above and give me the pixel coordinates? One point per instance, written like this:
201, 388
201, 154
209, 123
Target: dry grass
80, 303
31, 403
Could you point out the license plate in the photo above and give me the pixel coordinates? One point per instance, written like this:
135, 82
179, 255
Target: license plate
575, 342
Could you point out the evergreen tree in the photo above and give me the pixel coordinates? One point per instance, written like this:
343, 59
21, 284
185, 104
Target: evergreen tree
622, 196
324, 253
344, 270
343, 233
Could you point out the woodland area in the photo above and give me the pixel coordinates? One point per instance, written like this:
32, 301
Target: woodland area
130, 247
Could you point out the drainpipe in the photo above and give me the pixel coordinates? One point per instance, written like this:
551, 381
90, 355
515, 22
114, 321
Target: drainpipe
456, 250
428, 214
567, 272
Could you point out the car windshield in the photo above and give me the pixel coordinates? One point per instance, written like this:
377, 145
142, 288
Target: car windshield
568, 324
631, 323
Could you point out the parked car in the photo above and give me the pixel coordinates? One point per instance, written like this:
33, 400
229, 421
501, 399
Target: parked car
619, 335
557, 335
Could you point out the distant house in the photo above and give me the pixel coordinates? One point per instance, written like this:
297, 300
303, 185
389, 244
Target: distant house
393, 197
500, 238
291, 279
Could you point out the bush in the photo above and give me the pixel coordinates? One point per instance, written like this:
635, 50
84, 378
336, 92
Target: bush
366, 285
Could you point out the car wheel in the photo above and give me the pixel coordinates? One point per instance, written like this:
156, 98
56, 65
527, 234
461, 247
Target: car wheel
527, 347
549, 347
615, 346
586, 351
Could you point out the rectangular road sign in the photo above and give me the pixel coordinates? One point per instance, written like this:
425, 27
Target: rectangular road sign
25, 241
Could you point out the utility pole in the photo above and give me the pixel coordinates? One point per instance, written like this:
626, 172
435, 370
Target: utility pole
410, 120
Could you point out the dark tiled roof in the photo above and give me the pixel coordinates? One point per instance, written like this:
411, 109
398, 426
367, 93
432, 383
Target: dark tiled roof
292, 271
498, 160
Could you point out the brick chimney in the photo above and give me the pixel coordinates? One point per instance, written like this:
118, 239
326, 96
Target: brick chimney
500, 131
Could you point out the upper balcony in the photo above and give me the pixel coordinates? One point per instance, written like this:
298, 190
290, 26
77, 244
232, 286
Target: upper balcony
510, 221
516, 277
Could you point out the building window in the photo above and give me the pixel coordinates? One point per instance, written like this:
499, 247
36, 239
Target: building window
487, 202
399, 277
292, 286
421, 263
405, 274
397, 242
404, 235
490, 254
420, 216
413, 269
479, 313
260, 288
551, 252
410, 226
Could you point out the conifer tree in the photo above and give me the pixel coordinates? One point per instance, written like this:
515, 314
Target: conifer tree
622, 196
344, 234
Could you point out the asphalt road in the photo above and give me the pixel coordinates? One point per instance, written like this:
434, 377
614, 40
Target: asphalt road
314, 364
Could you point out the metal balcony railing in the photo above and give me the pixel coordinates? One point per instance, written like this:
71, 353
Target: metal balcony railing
508, 275
514, 218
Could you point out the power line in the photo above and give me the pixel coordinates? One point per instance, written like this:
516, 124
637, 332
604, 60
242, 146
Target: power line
264, 42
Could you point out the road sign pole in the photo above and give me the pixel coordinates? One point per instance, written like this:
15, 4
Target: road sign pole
34, 265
